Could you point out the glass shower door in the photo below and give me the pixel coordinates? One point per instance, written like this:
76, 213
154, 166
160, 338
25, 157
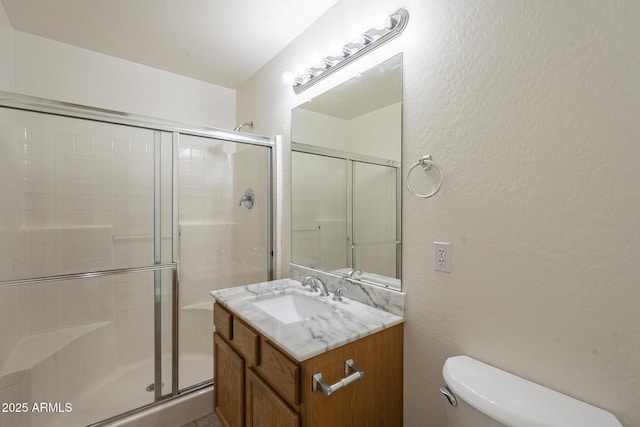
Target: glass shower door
85, 268
223, 242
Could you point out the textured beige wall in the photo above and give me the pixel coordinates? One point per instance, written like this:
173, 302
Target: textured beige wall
532, 110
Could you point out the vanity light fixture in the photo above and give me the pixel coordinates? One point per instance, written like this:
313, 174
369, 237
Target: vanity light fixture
385, 28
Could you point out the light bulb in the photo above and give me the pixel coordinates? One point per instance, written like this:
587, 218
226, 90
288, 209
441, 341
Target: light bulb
318, 60
300, 70
356, 37
336, 49
382, 22
288, 78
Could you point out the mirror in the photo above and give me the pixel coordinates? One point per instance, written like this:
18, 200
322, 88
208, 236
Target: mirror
346, 177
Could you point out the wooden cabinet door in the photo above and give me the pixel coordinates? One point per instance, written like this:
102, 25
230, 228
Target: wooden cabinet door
374, 400
229, 376
265, 408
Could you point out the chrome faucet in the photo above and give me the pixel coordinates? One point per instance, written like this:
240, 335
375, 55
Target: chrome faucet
337, 296
305, 282
324, 292
315, 284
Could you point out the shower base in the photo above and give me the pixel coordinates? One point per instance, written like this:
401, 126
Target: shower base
124, 389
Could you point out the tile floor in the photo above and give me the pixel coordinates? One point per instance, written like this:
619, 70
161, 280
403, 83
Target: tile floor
207, 421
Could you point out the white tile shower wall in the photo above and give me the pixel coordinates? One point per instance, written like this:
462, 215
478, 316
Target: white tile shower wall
251, 236
221, 244
205, 260
206, 238
134, 317
89, 206
88, 191
215, 252
11, 194
206, 216
76, 196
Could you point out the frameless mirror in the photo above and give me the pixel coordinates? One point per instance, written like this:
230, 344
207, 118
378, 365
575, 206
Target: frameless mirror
346, 177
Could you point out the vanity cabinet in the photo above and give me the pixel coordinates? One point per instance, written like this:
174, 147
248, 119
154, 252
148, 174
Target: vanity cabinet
230, 370
264, 407
259, 385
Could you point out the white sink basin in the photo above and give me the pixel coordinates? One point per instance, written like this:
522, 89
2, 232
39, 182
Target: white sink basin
292, 307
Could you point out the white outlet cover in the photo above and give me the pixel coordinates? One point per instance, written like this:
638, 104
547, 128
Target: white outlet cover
442, 256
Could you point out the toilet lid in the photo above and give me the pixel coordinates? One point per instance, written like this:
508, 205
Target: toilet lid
515, 401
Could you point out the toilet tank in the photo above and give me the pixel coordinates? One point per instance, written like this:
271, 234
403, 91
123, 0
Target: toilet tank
489, 397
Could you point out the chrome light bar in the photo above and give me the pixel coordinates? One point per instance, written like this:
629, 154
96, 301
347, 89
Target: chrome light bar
387, 29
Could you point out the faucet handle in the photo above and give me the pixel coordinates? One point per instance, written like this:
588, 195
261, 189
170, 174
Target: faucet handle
337, 296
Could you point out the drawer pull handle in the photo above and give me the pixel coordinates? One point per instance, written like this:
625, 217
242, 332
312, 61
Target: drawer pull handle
352, 374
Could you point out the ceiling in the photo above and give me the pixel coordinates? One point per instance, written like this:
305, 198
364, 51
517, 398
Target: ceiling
223, 42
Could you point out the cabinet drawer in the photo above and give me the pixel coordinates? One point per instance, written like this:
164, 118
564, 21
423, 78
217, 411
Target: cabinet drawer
223, 322
246, 341
281, 372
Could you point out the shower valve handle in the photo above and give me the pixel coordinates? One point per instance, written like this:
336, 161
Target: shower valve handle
247, 198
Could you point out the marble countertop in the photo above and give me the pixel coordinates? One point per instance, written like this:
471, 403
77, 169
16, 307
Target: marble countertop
347, 321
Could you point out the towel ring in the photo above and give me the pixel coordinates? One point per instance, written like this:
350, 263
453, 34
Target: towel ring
426, 163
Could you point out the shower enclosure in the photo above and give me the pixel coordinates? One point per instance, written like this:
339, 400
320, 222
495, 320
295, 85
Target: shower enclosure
113, 230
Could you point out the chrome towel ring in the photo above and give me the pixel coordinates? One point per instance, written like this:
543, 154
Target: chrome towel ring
426, 163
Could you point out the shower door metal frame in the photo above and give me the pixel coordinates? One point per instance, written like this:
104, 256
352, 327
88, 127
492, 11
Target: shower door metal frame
64, 109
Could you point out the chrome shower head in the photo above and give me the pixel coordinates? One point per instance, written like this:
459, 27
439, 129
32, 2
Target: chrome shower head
250, 124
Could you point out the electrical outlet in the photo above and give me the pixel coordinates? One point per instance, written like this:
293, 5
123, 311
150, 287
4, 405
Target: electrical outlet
442, 256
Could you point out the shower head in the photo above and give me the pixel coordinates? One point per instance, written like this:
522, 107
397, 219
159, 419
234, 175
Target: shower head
250, 124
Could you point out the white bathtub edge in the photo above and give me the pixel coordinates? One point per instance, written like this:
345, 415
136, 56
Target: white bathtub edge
176, 412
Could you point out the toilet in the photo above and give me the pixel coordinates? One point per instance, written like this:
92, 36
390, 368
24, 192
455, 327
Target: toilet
480, 395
